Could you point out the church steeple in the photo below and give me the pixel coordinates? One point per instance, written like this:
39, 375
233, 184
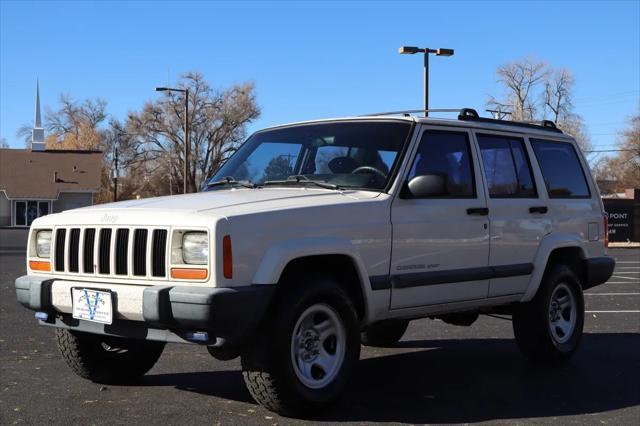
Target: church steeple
37, 135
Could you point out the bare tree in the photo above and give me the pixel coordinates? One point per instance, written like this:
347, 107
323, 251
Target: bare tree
536, 91
520, 79
623, 169
217, 125
4, 143
558, 106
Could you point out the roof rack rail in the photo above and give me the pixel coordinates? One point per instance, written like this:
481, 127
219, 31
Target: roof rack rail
470, 114
413, 111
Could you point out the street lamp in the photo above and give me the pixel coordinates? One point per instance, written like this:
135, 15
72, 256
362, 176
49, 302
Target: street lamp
186, 129
410, 50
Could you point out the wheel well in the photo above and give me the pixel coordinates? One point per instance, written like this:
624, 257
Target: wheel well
340, 267
571, 256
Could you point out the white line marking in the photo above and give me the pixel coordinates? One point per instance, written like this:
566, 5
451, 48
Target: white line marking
612, 312
627, 267
621, 282
612, 294
625, 278
626, 261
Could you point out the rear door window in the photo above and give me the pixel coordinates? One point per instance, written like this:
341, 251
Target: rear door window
561, 169
506, 167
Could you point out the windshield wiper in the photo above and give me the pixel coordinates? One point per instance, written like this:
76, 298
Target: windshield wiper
231, 181
301, 179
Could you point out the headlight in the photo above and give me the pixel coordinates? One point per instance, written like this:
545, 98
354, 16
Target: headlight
195, 248
43, 244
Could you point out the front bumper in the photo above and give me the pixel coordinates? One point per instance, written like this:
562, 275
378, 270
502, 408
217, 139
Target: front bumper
228, 315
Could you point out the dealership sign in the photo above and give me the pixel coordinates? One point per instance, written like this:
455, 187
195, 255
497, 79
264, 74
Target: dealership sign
620, 222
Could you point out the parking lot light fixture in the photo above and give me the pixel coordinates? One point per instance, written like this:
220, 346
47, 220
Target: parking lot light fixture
411, 50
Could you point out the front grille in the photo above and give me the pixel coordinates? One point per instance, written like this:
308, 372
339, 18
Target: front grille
120, 252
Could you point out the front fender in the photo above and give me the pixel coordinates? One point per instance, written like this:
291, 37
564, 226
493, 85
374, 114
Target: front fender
548, 244
281, 253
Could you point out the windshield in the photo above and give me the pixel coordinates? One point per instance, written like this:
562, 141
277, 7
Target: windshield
352, 154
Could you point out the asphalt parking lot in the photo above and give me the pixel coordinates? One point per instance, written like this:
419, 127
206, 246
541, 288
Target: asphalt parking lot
437, 374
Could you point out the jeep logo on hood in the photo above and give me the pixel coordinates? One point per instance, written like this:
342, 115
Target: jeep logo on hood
109, 218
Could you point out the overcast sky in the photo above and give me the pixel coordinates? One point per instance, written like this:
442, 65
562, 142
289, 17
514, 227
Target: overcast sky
315, 60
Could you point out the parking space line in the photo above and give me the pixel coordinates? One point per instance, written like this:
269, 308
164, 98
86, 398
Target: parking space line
625, 278
612, 312
627, 261
612, 294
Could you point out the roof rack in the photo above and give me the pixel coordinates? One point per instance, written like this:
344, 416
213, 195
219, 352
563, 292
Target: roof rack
470, 114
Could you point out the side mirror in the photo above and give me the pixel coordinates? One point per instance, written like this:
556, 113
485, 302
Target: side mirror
424, 186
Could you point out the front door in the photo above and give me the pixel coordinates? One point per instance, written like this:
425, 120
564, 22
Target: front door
517, 214
441, 245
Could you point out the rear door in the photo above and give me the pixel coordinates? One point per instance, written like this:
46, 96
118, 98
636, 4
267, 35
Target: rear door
518, 213
441, 244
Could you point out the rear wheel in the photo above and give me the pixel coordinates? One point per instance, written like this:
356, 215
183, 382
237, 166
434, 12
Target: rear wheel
300, 361
549, 328
384, 333
107, 359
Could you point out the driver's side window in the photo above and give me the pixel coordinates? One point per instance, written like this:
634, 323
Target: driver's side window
447, 155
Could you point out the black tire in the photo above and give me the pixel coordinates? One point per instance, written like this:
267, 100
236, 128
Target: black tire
532, 324
268, 361
106, 359
384, 333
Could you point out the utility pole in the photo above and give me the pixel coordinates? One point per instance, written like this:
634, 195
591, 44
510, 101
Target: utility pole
498, 113
187, 141
115, 176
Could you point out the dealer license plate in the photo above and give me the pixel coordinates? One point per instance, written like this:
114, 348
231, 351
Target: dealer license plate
92, 305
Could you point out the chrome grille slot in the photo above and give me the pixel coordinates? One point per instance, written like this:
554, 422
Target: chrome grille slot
74, 250
87, 251
140, 252
104, 255
159, 253
122, 244
61, 235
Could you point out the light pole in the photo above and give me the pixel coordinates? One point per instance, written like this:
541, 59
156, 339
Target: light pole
410, 50
186, 129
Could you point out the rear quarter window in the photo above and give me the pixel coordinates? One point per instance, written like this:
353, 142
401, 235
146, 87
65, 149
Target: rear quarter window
561, 169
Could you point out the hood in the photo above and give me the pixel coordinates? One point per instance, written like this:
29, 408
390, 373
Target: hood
247, 199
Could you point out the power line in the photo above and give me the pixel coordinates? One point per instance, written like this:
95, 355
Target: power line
610, 150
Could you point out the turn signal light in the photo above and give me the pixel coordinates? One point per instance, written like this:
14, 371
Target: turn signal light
606, 230
189, 273
39, 265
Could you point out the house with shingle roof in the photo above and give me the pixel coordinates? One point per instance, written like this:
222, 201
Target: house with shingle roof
35, 182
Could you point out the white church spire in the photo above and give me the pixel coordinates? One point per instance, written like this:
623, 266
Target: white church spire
37, 135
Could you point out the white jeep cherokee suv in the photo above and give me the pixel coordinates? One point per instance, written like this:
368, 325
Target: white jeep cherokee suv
317, 236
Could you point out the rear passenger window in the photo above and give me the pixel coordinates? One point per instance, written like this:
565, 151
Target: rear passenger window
561, 169
446, 154
506, 167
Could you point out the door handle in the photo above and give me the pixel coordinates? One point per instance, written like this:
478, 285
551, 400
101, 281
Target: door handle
481, 211
538, 209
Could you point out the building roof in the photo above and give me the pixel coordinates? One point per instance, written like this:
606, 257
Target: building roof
43, 174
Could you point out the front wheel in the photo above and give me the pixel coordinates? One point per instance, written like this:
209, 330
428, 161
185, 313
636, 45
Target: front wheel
549, 328
107, 359
301, 360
